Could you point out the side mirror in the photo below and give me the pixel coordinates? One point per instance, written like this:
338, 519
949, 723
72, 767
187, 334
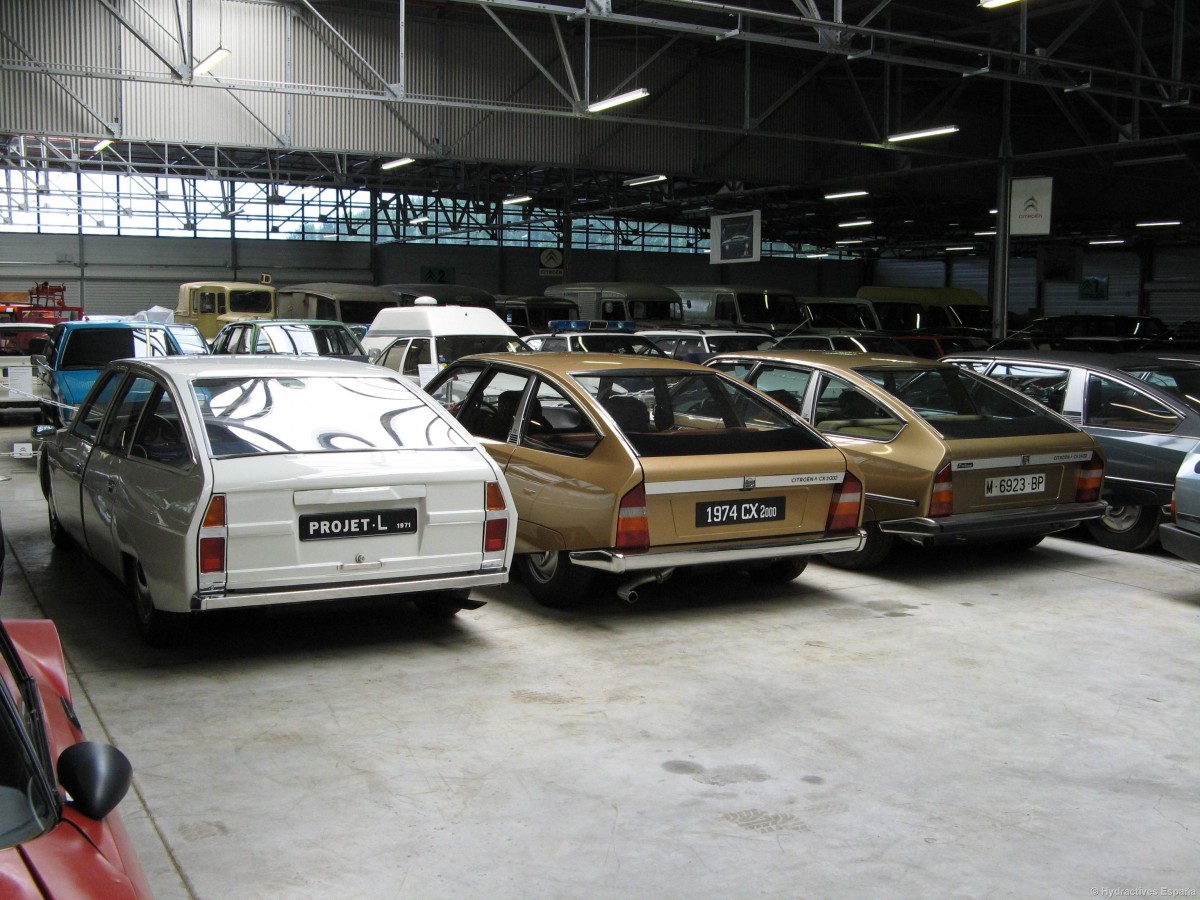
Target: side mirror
373, 354
97, 776
42, 432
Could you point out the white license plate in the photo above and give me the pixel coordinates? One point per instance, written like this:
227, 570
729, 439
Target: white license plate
1014, 484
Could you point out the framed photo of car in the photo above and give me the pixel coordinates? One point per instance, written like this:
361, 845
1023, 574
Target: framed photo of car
736, 238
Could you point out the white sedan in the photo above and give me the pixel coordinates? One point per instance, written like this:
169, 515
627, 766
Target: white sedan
212, 483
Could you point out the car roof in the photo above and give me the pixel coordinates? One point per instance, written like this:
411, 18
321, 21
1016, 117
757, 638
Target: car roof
835, 359
75, 326
1115, 361
698, 331
566, 364
262, 322
269, 364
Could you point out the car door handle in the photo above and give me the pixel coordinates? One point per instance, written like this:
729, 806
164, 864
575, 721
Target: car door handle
112, 484
78, 467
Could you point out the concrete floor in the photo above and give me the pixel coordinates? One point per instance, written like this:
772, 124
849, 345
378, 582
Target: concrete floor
961, 723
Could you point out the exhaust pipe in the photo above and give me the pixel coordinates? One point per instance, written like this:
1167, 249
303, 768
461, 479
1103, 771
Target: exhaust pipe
627, 591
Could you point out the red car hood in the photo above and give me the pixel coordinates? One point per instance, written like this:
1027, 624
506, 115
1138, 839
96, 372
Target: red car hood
62, 864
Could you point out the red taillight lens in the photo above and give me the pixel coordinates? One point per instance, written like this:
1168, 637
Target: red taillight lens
213, 537
495, 528
633, 528
845, 507
1090, 480
942, 501
212, 555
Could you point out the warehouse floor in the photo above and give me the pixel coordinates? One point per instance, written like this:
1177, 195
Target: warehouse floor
960, 723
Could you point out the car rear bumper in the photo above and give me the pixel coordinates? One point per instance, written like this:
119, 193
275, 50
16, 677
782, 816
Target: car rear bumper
1179, 541
612, 561
998, 524
305, 594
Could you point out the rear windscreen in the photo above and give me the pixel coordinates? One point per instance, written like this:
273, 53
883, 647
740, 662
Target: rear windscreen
961, 404
691, 414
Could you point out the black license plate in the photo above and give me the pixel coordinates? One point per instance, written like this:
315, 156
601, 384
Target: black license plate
330, 526
734, 512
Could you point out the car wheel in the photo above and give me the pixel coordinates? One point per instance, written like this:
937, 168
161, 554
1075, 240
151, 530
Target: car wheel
1127, 528
553, 579
874, 551
157, 627
58, 534
780, 571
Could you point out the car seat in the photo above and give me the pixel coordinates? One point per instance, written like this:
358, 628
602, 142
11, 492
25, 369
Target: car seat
630, 413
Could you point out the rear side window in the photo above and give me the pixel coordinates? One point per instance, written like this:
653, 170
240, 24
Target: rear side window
93, 348
843, 409
1044, 384
689, 414
1112, 404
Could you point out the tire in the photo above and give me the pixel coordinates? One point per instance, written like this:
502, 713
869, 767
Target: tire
1128, 528
554, 580
157, 627
780, 571
58, 534
874, 551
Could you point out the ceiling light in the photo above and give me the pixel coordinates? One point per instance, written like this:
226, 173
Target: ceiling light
856, 224
102, 145
1157, 224
992, 4
524, 198
815, 255
1107, 241
985, 234
845, 194
924, 133
397, 163
960, 248
419, 220
211, 61
645, 179
609, 103
843, 243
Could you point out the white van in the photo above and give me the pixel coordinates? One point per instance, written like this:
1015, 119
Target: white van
622, 301
417, 341
741, 305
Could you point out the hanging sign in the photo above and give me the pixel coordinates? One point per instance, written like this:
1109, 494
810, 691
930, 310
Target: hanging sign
1029, 205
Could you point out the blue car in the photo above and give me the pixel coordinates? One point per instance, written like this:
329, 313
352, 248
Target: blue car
77, 352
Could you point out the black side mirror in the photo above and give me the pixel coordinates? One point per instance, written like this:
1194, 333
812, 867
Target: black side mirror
42, 432
97, 776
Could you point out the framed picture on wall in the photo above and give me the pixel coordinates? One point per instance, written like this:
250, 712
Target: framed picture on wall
736, 238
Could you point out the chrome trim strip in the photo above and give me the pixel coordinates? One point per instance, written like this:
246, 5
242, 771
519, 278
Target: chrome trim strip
609, 561
238, 599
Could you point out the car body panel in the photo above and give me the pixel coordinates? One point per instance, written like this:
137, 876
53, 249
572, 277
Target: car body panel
122, 499
1181, 536
569, 502
75, 856
900, 447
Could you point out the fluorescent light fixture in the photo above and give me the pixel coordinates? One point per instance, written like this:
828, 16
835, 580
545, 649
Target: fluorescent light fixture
985, 234
845, 194
211, 61
1107, 241
645, 179
856, 224
524, 198
960, 248
102, 145
924, 133
419, 220
610, 102
844, 243
815, 255
992, 4
1164, 224
397, 163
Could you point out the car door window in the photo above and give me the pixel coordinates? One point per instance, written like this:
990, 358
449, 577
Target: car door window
554, 423
785, 385
160, 436
126, 409
418, 355
1113, 404
491, 409
1045, 384
843, 409
393, 357
87, 423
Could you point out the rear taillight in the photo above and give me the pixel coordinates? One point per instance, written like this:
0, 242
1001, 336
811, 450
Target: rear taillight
213, 535
1090, 480
1172, 519
495, 528
633, 528
942, 501
845, 507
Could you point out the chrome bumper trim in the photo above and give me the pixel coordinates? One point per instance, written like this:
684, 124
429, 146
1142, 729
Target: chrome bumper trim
241, 599
610, 561
1044, 519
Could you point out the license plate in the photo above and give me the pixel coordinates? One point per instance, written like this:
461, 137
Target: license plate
330, 526
1014, 484
733, 512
